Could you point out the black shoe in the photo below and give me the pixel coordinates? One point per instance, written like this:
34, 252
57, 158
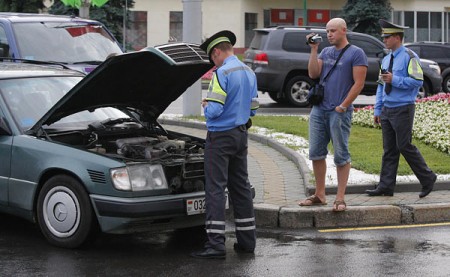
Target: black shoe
238, 248
209, 253
427, 189
379, 192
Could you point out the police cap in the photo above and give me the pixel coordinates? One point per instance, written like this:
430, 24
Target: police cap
222, 36
389, 28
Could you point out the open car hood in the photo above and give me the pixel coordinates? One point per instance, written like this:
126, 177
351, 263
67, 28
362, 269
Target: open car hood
148, 80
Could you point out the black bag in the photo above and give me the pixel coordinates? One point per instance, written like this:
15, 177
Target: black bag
317, 91
315, 95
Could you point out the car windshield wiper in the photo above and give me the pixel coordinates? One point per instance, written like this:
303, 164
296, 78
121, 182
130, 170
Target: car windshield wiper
88, 62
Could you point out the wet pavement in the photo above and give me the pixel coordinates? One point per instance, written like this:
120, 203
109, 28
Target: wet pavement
415, 251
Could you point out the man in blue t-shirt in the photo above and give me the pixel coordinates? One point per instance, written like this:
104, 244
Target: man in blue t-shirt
331, 119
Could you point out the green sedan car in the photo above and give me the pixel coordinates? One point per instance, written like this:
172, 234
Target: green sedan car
81, 153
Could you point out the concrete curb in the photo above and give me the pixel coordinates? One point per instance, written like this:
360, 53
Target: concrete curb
355, 216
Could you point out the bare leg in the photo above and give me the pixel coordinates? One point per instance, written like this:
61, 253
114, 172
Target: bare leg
342, 175
320, 170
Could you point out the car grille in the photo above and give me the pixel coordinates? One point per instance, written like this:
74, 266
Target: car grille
183, 52
97, 176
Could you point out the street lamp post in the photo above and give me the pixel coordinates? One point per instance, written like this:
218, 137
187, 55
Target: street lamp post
84, 8
192, 32
124, 31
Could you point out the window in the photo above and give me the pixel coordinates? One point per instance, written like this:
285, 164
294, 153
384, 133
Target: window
422, 26
409, 21
371, 49
431, 53
4, 45
251, 22
266, 18
296, 42
416, 49
176, 27
436, 26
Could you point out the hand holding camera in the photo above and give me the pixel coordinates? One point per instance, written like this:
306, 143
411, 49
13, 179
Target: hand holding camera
313, 39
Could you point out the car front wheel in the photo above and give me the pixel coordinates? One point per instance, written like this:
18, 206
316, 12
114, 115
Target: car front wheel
64, 212
446, 83
297, 90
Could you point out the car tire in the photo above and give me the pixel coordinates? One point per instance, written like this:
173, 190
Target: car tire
424, 90
64, 212
274, 97
297, 89
446, 83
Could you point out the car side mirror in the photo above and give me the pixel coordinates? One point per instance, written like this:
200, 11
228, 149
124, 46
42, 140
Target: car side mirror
4, 128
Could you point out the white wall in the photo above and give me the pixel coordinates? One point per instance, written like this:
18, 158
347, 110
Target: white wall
230, 14
421, 5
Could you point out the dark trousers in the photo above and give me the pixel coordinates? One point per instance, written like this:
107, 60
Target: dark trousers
396, 125
226, 167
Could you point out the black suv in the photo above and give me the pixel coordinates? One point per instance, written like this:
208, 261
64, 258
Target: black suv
438, 52
279, 56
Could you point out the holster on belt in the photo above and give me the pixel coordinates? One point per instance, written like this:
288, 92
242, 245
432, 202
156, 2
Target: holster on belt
249, 123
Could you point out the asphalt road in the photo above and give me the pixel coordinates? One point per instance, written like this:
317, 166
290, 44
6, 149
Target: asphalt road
419, 251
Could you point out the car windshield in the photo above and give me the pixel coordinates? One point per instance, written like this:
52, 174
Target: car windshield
67, 42
29, 99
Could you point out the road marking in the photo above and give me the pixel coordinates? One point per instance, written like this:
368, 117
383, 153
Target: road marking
384, 227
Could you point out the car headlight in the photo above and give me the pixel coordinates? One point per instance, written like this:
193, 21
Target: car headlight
139, 177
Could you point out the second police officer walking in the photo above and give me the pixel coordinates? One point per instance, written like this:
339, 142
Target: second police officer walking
400, 79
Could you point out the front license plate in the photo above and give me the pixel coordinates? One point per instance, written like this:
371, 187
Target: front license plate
198, 205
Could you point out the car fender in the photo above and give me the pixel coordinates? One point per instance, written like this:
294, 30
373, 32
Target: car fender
33, 159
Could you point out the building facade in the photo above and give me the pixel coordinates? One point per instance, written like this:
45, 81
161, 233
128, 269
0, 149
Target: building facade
156, 22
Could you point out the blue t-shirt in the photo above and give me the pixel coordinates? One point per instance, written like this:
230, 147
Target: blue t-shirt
340, 81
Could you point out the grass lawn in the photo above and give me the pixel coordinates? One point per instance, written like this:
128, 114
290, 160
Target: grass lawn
365, 145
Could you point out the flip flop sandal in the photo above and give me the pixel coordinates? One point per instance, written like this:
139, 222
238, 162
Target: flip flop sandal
338, 203
313, 201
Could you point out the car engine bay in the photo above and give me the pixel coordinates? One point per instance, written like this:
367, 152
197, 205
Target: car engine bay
181, 156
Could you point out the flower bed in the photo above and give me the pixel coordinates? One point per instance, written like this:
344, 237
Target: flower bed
431, 122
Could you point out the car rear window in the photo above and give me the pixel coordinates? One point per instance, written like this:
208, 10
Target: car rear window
431, 52
258, 40
370, 48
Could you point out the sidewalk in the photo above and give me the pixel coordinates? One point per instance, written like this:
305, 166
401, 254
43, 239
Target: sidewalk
281, 178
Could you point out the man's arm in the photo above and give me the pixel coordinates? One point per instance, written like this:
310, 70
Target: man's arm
314, 63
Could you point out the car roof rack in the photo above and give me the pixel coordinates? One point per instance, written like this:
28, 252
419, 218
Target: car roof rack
299, 27
433, 42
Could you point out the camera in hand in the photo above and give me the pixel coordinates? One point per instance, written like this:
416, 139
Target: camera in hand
314, 39
384, 71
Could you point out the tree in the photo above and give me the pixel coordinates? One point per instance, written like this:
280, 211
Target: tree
23, 6
110, 14
363, 15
